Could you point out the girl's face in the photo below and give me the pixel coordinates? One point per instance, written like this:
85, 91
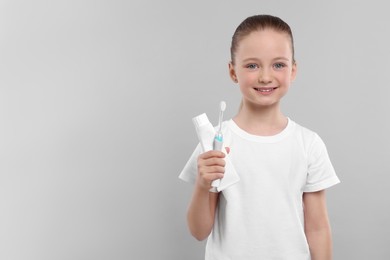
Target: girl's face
263, 67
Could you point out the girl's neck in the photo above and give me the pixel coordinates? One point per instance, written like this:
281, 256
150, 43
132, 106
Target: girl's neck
263, 121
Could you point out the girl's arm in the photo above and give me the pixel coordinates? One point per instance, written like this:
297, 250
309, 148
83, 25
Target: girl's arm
317, 226
201, 212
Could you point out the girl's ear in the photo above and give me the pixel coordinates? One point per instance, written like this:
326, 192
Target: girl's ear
294, 71
232, 73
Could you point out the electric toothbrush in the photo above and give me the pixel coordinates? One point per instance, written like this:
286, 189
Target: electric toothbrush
218, 139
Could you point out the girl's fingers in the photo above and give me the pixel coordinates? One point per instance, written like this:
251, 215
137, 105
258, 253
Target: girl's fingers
213, 161
211, 169
209, 177
211, 166
211, 154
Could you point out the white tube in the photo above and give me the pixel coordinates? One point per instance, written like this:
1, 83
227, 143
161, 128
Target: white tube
206, 134
205, 131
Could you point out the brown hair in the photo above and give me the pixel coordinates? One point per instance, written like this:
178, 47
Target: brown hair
258, 23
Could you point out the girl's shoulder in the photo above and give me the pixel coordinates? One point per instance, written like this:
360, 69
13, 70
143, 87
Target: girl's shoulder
309, 139
304, 132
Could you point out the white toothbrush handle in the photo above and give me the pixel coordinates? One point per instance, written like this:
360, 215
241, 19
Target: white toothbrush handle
218, 145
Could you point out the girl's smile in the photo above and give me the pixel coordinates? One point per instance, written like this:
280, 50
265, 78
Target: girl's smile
266, 91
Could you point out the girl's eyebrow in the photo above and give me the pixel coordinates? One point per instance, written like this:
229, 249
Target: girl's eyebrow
257, 59
282, 58
250, 59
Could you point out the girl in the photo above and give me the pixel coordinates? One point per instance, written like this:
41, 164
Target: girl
277, 210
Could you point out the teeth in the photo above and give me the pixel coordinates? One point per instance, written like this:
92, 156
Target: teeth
264, 90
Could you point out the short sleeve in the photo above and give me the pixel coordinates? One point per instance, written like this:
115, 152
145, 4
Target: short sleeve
190, 169
321, 174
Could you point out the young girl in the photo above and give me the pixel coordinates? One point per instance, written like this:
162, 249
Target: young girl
277, 210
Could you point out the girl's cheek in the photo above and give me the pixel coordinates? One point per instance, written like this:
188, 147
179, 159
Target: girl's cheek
251, 78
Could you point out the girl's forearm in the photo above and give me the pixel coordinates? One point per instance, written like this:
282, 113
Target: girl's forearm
201, 212
320, 244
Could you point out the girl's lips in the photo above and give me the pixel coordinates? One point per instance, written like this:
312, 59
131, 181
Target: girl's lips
265, 91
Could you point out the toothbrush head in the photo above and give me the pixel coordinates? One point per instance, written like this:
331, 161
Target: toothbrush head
222, 106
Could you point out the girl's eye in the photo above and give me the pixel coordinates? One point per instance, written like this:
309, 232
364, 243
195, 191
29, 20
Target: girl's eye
279, 65
252, 66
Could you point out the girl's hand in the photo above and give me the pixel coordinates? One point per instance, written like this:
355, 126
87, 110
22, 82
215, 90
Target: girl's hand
211, 166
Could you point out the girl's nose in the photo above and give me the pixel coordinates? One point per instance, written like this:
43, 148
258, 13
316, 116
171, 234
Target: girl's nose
265, 76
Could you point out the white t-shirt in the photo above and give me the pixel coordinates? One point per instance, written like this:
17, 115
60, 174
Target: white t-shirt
261, 216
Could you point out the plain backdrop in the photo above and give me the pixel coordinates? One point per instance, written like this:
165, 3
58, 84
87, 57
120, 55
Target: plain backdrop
96, 101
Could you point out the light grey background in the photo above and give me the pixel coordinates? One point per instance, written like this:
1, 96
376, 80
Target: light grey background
96, 101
